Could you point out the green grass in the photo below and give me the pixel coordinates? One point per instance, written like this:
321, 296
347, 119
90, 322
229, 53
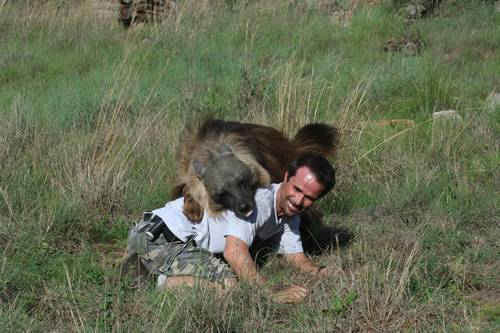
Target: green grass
91, 116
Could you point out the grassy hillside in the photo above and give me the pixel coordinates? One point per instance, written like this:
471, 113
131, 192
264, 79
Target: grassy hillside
91, 115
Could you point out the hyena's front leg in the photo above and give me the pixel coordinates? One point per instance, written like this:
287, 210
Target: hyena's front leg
192, 209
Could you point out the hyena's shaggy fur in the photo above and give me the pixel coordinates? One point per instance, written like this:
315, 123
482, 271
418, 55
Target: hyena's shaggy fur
265, 150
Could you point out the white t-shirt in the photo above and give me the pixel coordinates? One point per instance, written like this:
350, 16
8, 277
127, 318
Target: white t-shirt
210, 233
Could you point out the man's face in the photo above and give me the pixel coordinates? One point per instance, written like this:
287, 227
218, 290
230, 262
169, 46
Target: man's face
297, 193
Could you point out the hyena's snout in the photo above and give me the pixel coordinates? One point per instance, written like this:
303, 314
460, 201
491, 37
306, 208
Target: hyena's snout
245, 209
236, 198
241, 202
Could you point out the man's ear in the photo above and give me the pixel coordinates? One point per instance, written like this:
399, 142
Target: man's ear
198, 168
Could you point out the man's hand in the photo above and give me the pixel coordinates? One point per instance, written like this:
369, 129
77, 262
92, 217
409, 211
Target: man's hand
292, 294
238, 257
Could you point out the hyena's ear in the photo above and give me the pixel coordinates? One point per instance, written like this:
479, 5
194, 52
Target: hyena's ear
226, 149
198, 168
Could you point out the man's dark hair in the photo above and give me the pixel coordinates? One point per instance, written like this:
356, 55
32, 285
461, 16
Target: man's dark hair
320, 167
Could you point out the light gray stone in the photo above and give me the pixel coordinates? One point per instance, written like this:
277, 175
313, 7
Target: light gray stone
413, 11
494, 99
447, 114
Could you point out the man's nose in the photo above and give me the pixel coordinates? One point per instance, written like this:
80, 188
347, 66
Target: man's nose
300, 199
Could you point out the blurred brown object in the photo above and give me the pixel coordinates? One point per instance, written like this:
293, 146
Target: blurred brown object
406, 45
136, 11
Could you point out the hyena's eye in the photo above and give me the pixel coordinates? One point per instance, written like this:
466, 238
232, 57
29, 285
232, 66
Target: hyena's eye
253, 182
247, 180
220, 195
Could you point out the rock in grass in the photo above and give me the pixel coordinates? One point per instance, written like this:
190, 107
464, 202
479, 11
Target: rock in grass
494, 99
416, 9
497, 7
447, 115
413, 11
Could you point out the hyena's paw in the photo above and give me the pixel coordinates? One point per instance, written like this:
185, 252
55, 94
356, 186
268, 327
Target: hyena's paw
192, 210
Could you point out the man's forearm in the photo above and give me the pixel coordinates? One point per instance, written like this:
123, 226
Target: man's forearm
239, 259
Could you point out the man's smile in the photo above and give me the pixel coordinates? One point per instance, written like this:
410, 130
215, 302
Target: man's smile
292, 206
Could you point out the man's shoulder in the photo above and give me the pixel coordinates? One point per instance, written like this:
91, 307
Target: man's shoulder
264, 194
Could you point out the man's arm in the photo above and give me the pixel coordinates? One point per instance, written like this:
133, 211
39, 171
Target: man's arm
238, 257
306, 265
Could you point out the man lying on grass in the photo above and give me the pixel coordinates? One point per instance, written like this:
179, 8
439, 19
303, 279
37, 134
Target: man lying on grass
186, 251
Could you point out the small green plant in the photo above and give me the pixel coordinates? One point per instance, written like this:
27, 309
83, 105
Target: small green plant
340, 304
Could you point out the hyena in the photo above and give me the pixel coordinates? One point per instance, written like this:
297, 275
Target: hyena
221, 164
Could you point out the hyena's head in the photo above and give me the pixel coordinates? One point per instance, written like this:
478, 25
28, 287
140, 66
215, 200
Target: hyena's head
230, 183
